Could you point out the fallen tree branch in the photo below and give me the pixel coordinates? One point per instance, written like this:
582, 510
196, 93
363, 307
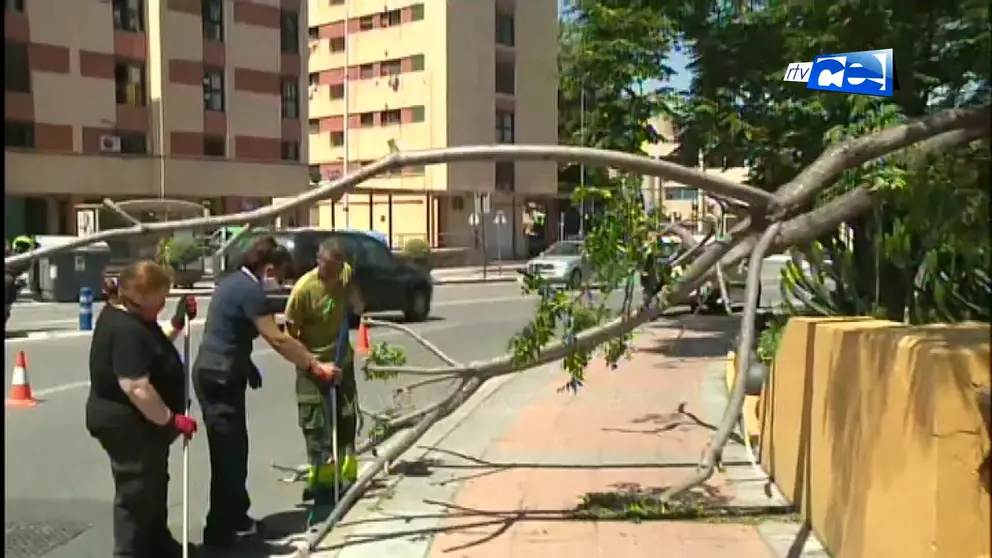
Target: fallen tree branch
420, 339
735, 403
755, 197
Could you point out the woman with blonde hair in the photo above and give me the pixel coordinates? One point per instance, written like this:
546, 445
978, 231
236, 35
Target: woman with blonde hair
137, 403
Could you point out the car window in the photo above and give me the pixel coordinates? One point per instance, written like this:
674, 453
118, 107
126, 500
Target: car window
374, 253
564, 249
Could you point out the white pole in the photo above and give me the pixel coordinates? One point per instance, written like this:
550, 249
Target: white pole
582, 167
186, 379
347, 105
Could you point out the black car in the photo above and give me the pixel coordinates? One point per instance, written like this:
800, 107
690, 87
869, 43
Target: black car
388, 282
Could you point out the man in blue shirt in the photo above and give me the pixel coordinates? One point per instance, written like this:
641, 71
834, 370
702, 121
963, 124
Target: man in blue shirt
239, 312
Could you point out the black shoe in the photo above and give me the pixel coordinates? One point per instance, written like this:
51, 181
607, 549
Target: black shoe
172, 548
219, 540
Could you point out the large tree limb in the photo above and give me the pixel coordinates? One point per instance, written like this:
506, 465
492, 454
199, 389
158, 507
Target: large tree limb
828, 167
755, 197
827, 217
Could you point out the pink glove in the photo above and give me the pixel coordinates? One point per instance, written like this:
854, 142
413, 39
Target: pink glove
185, 425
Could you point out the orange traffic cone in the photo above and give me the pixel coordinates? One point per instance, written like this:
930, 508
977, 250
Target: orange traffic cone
362, 346
20, 388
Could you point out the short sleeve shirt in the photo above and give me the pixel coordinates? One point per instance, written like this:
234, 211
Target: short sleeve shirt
127, 346
238, 301
317, 310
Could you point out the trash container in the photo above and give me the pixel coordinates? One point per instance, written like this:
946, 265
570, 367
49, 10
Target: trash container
62, 276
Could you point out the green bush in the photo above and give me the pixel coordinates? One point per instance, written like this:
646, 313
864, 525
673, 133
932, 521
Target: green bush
177, 253
418, 251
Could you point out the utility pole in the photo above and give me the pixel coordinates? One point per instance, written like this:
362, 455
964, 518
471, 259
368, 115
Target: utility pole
347, 106
582, 166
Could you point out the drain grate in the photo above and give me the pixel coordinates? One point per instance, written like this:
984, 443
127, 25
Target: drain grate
33, 540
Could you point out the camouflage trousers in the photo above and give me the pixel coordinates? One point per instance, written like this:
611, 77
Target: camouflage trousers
317, 434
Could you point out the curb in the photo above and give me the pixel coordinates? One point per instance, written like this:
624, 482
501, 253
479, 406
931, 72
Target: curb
68, 334
473, 280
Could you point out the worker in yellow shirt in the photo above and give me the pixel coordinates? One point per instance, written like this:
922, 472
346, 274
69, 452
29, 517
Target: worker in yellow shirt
315, 313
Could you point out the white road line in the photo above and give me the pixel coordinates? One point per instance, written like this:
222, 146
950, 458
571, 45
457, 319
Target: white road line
262, 352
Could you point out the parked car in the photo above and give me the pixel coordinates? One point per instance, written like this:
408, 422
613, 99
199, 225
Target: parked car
708, 294
562, 264
389, 283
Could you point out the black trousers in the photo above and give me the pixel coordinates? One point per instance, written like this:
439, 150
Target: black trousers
140, 467
223, 406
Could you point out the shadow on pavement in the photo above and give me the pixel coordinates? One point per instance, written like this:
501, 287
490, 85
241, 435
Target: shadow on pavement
661, 423
629, 501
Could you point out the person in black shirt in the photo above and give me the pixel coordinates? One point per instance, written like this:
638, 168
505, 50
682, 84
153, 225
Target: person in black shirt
239, 312
136, 405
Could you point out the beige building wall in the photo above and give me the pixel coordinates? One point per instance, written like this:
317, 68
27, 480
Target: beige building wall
78, 132
422, 75
678, 200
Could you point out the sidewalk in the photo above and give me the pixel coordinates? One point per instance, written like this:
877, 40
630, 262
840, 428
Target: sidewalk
523, 473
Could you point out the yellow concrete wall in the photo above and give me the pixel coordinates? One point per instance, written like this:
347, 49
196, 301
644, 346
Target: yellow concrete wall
873, 429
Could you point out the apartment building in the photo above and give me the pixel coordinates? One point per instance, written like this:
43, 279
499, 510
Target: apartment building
678, 201
201, 101
418, 75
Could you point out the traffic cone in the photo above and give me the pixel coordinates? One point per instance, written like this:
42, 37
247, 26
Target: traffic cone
362, 346
20, 388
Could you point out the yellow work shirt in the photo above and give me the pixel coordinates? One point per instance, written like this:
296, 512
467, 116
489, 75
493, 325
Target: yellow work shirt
316, 312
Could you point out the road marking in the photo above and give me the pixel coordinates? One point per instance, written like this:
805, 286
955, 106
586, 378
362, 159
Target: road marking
265, 352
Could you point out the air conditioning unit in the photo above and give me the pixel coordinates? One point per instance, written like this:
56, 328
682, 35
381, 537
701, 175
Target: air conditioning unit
110, 144
312, 90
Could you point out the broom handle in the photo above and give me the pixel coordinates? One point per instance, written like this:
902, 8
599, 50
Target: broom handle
186, 380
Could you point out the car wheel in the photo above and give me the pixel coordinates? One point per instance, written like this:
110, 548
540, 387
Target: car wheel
575, 279
418, 306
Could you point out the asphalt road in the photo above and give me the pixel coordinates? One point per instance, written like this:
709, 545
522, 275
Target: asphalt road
57, 476
57, 480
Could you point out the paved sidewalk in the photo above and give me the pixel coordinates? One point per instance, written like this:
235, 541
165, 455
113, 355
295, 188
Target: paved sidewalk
510, 477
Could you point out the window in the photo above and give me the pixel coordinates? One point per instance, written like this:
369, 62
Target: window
392, 18
290, 99
504, 29
314, 79
504, 127
313, 33
689, 194
366, 23
289, 31
458, 204
129, 15
213, 20
315, 174
13, 6
213, 90
374, 253
129, 84
336, 44
417, 114
214, 147
390, 67
390, 117
506, 176
134, 144
290, 151
366, 119
337, 139
505, 77
336, 91
418, 12
366, 71
314, 126
417, 63
16, 71
18, 134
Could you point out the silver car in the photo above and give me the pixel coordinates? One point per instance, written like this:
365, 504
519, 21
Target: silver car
562, 264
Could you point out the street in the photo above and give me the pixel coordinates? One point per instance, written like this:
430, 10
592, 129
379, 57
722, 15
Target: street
58, 478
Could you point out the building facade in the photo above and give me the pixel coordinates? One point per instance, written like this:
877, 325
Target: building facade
676, 201
196, 100
417, 75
